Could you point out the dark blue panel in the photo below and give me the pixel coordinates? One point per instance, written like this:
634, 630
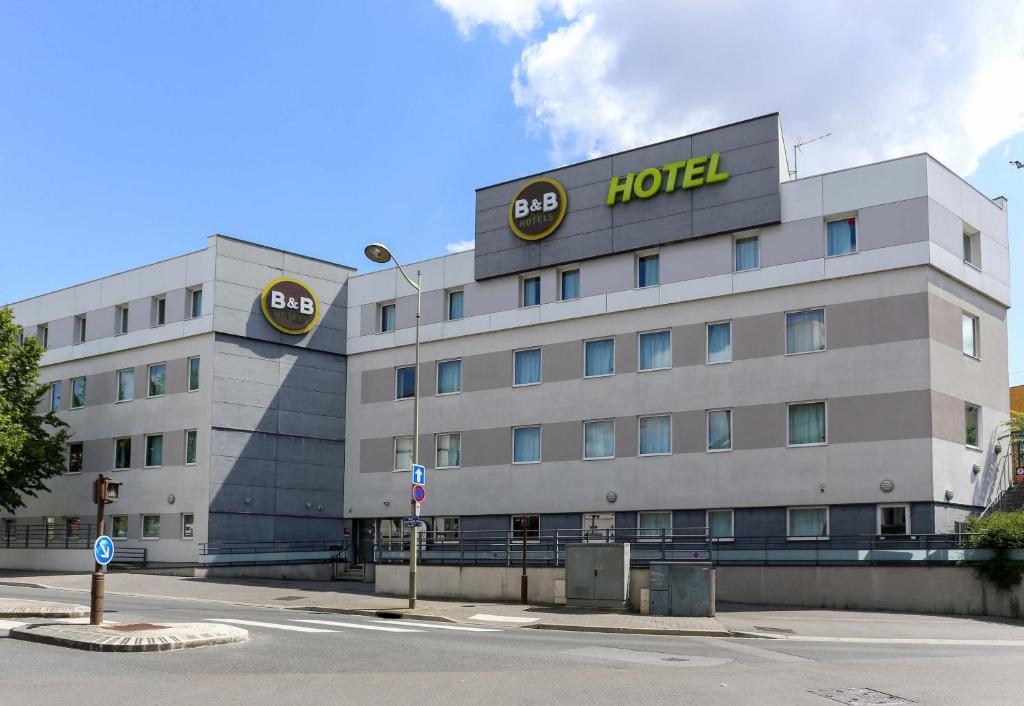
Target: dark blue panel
485, 523
922, 518
844, 520
760, 522
573, 521
690, 521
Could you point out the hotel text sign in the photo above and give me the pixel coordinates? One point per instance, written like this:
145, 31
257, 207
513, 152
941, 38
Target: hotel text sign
644, 184
290, 306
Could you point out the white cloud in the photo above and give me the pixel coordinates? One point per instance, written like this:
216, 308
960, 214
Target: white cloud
459, 246
885, 78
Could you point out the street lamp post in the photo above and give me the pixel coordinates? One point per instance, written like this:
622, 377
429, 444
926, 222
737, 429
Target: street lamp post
379, 253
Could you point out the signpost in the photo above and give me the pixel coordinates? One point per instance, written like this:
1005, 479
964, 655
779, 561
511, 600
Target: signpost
104, 491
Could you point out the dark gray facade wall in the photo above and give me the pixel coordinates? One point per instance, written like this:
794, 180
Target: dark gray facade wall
747, 199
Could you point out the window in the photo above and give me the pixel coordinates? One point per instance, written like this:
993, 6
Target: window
970, 332
55, 396
449, 377
125, 385
195, 302
656, 435
80, 329
653, 525
455, 305
122, 453
805, 331
598, 439
720, 342
569, 285
193, 374
972, 246
807, 522
840, 237
119, 526
720, 430
446, 529
599, 357
531, 291
893, 519
387, 318
599, 527
527, 367
187, 525
76, 453
806, 423
191, 444
151, 526
526, 445
971, 414
405, 382
655, 350
159, 311
43, 335
154, 450
531, 523
21, 341
647, 274
391, 529
720, 524
77, 393
157, 380
72, 527
449, 451
747, 253
121, 319
403, 453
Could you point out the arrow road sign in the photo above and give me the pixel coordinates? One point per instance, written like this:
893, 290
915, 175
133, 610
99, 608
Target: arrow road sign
103, 549
419, 474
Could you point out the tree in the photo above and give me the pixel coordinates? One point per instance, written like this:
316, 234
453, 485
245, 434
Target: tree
31, 444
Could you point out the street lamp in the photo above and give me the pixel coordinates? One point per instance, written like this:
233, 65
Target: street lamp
379, 253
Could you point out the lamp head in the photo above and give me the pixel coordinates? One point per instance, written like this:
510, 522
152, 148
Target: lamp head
378, 252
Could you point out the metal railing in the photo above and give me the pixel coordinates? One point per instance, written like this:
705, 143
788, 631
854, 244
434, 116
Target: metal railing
44, 536
241, 552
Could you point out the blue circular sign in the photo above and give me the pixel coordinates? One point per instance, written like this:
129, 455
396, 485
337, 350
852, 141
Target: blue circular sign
103, 550
419, 493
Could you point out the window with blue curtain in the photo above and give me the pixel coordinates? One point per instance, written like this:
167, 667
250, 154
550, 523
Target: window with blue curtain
455, 305
720, 342
526, 444
531, 291
841, 236
600, 357
748, 253
647, 274
807, 423
449, 377
527, 367
719, 430
808, 522
805, 331
405, 382
655, 435
599, 439
387, 317
655, 350
570, 284
720, 524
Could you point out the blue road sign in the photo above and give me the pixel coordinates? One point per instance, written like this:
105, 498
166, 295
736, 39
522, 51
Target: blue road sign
419, 493
419, 474
103, 549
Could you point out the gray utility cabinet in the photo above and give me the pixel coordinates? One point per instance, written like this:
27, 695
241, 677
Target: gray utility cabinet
597, 576
684, 589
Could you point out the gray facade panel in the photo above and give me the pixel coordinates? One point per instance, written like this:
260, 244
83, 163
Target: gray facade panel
100, 324
488, 371
308, 503
759, 336
301, 449
368, 321
376, 455
794, 241
574, 247
491, 296
487, 447
626, 353
433, 307
295, 529
689, 345
243, 471
760, 426
241, 527
60, 333
562, 361
897, 415
245, 499
607, 274
315, 425
657, 231
377, 385
561, 441
626, 437
688, 431
875, 321
174, 448
308, 476
301, 377
242, 444
405, 311
893, 224
701, 258
738, 215
321, 403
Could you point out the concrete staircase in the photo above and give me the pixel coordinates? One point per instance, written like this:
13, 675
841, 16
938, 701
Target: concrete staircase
1011, 499
350, 572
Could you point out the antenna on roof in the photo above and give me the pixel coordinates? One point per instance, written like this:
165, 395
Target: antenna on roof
798, 145
1017, 163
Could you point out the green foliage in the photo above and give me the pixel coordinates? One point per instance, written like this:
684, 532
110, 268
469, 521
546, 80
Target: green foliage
1015, 424
1000, 532
31, 444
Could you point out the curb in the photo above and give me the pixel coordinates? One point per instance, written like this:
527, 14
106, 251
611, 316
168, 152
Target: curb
24, 584
71, 611
392, 613
630, 630
195, 635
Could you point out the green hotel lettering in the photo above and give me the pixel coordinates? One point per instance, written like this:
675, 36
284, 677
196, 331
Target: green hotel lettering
695, 172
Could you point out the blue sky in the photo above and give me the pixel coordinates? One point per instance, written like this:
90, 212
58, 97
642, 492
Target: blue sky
129, 131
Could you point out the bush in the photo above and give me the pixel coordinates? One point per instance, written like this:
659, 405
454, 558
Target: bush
1000, 532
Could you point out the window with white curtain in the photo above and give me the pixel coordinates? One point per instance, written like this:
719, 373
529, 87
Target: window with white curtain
526, 444
720, 430
720, 342
449, 377
569, 285
655, 435
841, 236
655, 350
805, 331
969, 324
807, 522
527, 367
403, 453
598, 439
748, 253
806, 423
653, 524
720, 524
599, 357
449, 451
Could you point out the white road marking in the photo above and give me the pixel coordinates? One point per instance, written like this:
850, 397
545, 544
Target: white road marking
892, 640
502, 618
276, 626
425, 624
359, 626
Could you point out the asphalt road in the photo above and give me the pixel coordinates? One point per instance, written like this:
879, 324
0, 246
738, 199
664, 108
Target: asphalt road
291, 661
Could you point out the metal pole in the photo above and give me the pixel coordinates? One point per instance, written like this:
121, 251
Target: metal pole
413, 534
96, 599
524, 581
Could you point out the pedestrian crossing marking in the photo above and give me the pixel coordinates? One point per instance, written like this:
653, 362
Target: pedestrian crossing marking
276, 626
359, 626
425, 624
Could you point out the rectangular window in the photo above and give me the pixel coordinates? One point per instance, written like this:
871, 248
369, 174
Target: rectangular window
387, 318
72, 527
807, 522
80, 329
43, 335
77, 393
569, 285
971, 424
893, 520
527, 367
154, 450
76, 452
392, 529
841, 237
449, 451
531, 291
598, 439
599, 357
970, 333
191, 446
972, 246
157, 380
720, 342
446, 529
653, 525
805, 331
806, 423
531, 524
121, 319
151, 526
748, 253
403, 453
193, 374
655, 350
187, 525
526, 445
122, 453
125, 385
720, 430
598, 527
405, 382
56, 393
159, 311
195, 303
720, 524
647, 271
656, 435
455, 305
449, 377
119, 526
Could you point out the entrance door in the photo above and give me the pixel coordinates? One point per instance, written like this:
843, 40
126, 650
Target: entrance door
364, 541
599, 527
